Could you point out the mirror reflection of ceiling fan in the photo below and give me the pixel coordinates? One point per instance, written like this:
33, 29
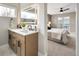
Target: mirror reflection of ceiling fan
63, 9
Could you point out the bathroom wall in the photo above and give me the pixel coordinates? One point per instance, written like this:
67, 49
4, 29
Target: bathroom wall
4, 25
77, 29
72, 16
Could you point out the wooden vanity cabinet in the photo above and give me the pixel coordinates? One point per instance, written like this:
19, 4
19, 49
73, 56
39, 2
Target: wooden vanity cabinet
17, 43
24, 45
32, 44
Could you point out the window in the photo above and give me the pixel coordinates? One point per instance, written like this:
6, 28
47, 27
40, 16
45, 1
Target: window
5, 11
63, 22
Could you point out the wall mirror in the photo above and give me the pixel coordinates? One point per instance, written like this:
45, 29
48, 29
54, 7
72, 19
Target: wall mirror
29, 15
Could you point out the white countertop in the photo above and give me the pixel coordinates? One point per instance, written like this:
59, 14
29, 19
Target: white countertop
22, 32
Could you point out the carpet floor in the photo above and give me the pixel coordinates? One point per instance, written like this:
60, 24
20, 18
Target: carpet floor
56, 49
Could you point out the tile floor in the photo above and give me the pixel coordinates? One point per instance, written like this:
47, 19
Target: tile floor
6, 51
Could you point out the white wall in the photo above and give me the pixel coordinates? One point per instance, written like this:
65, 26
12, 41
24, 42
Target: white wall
4, 25
77, 29
72, 16
42, 40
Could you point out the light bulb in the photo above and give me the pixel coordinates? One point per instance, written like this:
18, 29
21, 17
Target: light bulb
61, 12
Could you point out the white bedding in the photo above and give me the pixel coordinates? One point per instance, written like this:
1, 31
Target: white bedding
59, 34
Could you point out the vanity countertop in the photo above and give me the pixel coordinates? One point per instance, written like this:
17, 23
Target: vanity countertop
22, 32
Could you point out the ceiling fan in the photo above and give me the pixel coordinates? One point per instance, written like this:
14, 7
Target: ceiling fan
62, 9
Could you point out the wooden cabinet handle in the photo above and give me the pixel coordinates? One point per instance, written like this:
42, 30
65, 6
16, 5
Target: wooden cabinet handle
19, 44
18, 48
13, 45
9, 36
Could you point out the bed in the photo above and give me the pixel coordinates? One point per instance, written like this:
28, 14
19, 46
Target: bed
58, 35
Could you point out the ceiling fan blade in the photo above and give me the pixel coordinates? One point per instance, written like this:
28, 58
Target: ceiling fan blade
66, 9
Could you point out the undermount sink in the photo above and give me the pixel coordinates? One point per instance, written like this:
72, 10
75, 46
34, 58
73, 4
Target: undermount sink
24, 31
21, 30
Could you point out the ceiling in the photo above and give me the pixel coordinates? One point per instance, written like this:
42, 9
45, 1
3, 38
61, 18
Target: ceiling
52, 8
15, 4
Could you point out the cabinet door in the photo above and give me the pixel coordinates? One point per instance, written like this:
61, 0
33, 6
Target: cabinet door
14, 44
10, 39
13, 41
18, 48
32, 44
20, 45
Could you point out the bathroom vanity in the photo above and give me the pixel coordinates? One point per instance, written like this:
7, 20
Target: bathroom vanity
23, 43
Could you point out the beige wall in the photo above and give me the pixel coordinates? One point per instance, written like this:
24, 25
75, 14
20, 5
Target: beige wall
72, 16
